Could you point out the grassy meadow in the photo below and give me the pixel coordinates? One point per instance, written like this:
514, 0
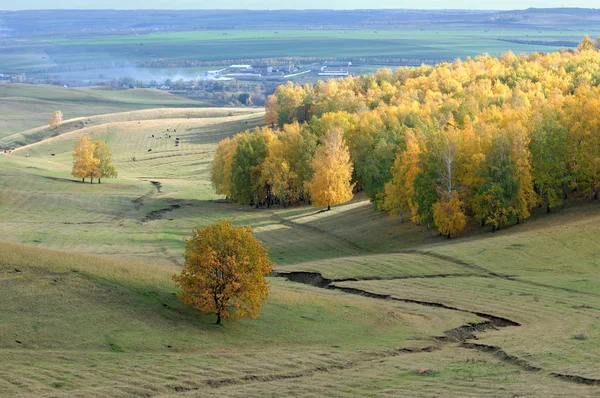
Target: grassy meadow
87, 305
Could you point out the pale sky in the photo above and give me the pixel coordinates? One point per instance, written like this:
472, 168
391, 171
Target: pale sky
291, 4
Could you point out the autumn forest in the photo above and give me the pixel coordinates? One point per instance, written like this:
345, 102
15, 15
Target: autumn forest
485, 139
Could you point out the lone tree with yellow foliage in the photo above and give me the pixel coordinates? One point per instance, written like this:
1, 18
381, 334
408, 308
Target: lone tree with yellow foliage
224, 272
330, 184
55, 119
106, 167
85, 164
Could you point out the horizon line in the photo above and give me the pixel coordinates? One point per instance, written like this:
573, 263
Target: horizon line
302, 9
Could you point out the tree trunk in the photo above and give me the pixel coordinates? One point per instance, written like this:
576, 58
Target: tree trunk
518, 220
328, 207
98, 180
91, 180
218, 318
548, 208
83, 179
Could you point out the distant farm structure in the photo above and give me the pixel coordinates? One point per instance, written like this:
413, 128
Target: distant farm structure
278, 72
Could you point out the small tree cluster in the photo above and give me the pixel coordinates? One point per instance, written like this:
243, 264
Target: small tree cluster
92, 160
263, 167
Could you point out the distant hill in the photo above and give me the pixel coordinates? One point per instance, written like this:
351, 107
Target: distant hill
546, 17
81, 23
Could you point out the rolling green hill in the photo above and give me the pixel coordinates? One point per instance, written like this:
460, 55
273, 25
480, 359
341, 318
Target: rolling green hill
87, 304
26, 106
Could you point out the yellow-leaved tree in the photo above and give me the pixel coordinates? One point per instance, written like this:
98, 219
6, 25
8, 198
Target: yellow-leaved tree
55, 119
224, 272
332, 169
271, 111
448, 215
106, 167
221, 166
586, 44
85, 164
288, 164
399, 191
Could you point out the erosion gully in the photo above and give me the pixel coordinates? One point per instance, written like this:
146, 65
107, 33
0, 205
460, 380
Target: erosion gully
459, 335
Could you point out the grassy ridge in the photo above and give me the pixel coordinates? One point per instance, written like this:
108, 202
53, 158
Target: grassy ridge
84, 123
25, 106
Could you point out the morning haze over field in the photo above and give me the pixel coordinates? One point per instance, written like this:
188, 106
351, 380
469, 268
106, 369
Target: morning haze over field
323, 199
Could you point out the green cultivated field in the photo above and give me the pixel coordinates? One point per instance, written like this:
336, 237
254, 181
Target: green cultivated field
443, 44
409, 45
87, 305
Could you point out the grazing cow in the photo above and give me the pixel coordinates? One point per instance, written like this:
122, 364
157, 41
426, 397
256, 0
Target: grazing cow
177, 139
51, 154
150, 150
134, 158
27, 155
152, 135
174, 130
167, 129
161, 137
